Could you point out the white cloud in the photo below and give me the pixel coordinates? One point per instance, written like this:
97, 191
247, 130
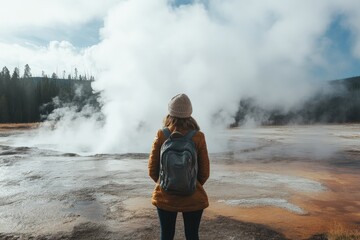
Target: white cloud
25, 25
18, 15
56, 57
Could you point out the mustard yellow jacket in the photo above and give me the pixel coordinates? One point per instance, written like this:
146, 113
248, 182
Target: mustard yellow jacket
175, 203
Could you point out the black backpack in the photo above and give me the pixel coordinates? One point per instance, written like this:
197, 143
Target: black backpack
178, 163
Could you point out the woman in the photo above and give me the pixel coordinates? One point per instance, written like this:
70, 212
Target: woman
168, 205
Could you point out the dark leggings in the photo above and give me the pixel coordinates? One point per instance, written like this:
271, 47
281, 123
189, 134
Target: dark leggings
168, 222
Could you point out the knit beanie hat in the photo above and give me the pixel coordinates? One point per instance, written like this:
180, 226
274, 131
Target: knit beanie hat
180, 106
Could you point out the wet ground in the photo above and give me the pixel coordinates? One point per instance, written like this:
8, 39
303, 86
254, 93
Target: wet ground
272, 183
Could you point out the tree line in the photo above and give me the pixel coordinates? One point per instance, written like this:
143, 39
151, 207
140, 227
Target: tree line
25, 99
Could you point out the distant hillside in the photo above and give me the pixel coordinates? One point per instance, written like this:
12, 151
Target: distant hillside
351, 84
337, 102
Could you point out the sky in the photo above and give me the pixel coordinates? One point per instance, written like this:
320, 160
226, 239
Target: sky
143, 52
43, 30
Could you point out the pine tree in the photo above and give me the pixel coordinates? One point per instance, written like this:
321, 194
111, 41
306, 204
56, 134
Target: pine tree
16, 73
5, 73
54, 76
27, 71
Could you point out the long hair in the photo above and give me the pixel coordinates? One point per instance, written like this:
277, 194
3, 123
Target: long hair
182, 123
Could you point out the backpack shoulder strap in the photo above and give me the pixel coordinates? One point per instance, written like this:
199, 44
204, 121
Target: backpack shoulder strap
190, 134
166, 132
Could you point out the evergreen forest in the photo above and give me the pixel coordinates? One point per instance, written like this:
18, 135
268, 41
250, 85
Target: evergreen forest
25, 99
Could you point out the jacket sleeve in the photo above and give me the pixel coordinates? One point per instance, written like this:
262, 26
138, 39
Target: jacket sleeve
154, 158
203, 161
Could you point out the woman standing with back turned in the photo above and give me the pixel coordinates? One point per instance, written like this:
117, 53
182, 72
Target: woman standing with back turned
168, 205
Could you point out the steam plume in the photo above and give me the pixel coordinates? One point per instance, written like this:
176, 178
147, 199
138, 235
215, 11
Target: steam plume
216, 52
